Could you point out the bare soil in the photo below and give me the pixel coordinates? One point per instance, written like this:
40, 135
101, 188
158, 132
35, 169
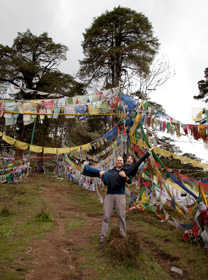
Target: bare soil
55, 256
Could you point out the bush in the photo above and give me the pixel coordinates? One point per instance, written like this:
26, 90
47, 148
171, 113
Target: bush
43, 217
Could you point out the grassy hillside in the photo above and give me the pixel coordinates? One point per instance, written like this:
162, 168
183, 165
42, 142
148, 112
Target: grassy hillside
49, 229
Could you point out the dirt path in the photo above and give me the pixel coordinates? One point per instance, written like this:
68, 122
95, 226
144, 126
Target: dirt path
55, 256
61, 254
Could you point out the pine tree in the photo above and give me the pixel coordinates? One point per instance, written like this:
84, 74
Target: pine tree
32, 63
117, 43
203, 87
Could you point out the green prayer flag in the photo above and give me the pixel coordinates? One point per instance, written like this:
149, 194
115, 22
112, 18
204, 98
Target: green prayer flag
146, 105
152, 208
70, 100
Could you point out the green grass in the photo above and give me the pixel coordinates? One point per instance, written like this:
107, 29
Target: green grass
19, 206
86, 201
106, 266
167, 240
25, 215
76, 222
98, 259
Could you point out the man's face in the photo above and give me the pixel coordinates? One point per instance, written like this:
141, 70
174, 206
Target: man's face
119, 162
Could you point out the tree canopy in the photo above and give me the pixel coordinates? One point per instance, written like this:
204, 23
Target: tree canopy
118, 43
32, 63
203, 87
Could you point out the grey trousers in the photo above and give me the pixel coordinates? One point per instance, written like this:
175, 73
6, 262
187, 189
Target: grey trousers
111, 201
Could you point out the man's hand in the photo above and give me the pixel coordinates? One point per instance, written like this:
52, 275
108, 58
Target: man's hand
101, 175
122, 174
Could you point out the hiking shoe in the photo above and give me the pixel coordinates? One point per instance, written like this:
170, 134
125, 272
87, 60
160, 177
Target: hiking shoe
85, 162
83, 165
101, 240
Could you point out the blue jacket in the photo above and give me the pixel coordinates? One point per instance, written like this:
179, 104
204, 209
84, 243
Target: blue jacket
121, 188
116, 183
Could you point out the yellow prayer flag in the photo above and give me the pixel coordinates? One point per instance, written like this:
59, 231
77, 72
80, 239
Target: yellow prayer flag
36, 149
65, 150
179, 157
8, 139
138, 118
144, 199
93, 111
21, 145
196, 114
86, 147
165, 153
48, 150
74, 149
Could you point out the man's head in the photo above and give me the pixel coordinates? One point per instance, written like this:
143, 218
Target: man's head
119, 162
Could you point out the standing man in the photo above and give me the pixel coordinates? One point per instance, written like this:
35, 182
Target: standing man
115, 197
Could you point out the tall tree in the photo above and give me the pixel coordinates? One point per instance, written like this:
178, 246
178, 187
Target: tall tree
118, 42
203, 87
32, 63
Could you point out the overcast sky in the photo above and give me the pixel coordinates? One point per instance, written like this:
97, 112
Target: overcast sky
180, 25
